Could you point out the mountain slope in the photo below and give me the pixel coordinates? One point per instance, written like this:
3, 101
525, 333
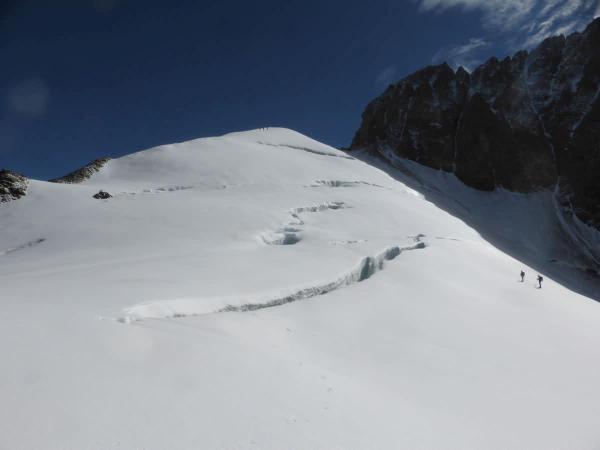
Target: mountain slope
264, 290
526, 123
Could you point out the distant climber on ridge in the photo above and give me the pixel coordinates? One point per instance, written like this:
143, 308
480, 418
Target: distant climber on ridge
540, 279
522, 276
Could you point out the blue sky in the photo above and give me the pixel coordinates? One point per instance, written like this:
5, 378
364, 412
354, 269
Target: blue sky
93, 78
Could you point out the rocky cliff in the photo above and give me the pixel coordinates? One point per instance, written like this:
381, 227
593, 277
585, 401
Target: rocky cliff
524, 123
12, 186
83, 173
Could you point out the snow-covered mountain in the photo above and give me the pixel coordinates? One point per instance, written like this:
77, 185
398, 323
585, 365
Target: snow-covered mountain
525, 123
264, 290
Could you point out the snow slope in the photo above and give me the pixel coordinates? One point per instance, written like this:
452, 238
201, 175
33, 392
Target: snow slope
531, 227
263, 290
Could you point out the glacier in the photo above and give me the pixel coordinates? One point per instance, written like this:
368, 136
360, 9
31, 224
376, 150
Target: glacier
264, 290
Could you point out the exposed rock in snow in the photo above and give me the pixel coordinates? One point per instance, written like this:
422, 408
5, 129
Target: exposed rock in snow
84, 173
12, 186
102, 195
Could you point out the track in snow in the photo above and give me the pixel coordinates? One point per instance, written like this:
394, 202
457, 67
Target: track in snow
167, 189
343, 183
365, 269
347, 242
22, 246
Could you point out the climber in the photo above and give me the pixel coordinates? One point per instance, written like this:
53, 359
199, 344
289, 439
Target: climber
522, 276
540, 279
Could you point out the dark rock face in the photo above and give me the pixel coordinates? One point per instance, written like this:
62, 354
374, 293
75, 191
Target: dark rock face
102, 195
12, 186
83, 173
528, 122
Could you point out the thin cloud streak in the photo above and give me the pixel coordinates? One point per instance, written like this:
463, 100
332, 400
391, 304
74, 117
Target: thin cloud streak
525, 23
497, 14
510, 25
465, 55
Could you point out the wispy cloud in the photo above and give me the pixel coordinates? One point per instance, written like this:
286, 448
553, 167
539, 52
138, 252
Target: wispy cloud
498, 14
523, 23
559, 17
466, 55
386, 76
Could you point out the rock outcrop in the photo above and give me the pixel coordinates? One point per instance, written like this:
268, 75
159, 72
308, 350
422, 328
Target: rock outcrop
101, 195
83, 173
524, 123
12, 186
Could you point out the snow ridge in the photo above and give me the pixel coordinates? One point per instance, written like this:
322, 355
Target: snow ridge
306, 149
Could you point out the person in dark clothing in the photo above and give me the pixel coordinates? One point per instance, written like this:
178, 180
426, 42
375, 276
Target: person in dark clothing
522, 276
540, 279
